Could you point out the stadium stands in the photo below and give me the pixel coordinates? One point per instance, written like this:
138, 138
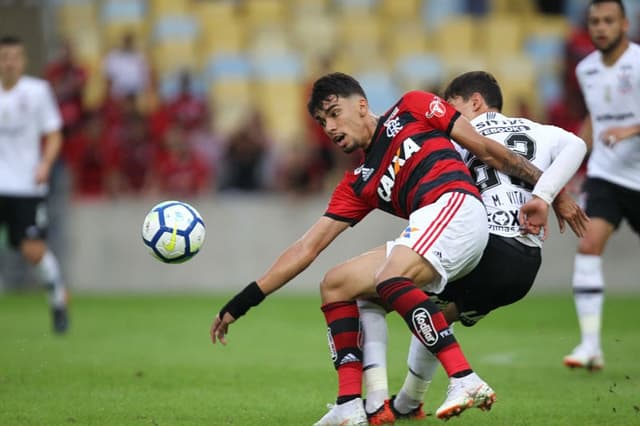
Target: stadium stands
263, 52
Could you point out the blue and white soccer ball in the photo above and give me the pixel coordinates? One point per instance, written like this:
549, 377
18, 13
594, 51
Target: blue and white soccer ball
173, 231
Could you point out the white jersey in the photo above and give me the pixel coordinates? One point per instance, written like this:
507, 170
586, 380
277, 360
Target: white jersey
27, 112
555, 151
612, 96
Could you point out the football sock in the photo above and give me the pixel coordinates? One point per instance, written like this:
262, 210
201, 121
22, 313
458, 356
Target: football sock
422, 366
343, 323
426, 322
374, 352
588, 294
49, 271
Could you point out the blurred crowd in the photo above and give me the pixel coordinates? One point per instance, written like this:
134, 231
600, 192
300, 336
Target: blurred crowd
127, 146
123, 148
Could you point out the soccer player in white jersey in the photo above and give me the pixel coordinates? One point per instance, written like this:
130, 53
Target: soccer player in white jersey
610, 82
28, 112
490, 285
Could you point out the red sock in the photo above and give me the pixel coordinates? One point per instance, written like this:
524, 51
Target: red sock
343, 320
426, 322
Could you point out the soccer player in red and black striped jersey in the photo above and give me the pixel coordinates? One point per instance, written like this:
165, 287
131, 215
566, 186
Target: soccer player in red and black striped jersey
411, 170
491, 284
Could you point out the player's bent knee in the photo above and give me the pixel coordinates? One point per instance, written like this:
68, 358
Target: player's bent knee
590, 247
332, 287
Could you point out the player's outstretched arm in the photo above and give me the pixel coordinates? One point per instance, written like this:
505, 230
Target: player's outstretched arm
295, 259
568, 154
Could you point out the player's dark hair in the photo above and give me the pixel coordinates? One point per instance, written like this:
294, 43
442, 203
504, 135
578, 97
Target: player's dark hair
10, 40
334, 84
618, 2
471, 82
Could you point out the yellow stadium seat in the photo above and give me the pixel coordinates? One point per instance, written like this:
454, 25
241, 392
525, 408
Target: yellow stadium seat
227, 37
113, 32
364, 37
455, 64
510, 7
230, 101
405, 38
500, 35
314, 35
357, 8
263, 12
96, 86
456, 35
269, 41
87, 45
400, 9
548, 26
309, 7
73, 18
516, 75
172, 55
282, 105
169, 7
213, 13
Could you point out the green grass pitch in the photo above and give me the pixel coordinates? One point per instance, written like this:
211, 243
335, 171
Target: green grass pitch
147, 360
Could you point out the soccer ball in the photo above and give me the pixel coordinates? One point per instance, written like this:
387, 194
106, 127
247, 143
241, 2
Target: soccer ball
173, 231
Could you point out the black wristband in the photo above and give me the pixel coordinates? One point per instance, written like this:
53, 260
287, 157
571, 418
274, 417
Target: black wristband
250, 296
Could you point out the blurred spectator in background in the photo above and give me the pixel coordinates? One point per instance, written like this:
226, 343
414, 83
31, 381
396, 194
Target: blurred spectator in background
126, 69
207, 145
578, 46
245, 157
91, 157
177, 171
186, 109
297, 171
134, 149
68, 80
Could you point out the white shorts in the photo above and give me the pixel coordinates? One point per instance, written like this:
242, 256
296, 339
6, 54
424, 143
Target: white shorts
450, 234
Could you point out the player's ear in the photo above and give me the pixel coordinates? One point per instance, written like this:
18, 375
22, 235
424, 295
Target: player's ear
625, 26
363, 107
477, 101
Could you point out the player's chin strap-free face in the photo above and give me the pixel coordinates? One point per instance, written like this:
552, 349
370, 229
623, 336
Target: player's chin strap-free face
250, 296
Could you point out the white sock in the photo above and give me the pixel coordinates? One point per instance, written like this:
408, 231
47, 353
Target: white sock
588, 288
50, 273
422, 366
374, 353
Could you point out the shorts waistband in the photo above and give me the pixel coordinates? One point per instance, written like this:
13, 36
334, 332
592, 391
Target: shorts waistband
514, 244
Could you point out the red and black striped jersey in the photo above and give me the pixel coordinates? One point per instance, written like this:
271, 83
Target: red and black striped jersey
409, 164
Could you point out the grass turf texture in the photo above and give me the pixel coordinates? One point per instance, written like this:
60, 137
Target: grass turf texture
147, 360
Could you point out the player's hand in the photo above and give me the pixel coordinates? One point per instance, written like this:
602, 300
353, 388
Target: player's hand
566, 209
250, 296
613, 135
533, 217
220, 328
42, 173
